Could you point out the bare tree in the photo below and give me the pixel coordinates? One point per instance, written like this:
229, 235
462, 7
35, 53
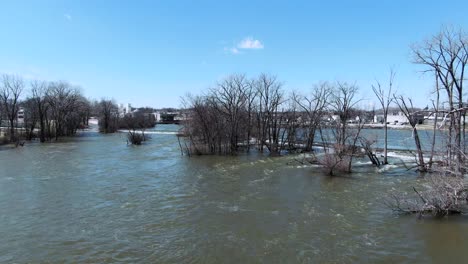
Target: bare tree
65, 103
435, 106
366, 144
446, 55
385, 98
346, 135
201, 126
10, 92
235, 110
314, 107
108, 116
441, 195
269, 114
444, 195
230, 99
251, 96
343, 104
407, 108
221, 121
30, 117
39, 92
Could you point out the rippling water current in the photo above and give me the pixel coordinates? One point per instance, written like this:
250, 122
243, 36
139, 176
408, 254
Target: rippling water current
95, 199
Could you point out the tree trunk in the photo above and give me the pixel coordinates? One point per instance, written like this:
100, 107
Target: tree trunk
385, 161
12, 130
421, 166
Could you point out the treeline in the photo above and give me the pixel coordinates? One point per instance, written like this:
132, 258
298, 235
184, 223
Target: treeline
241, 113
445, 57
111, 120
53, 109
50, 110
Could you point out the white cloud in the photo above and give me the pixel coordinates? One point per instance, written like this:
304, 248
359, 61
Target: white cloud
250, 43
232, 50
68, 17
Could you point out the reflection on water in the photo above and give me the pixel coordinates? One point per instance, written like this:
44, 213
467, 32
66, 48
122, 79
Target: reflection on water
95, 199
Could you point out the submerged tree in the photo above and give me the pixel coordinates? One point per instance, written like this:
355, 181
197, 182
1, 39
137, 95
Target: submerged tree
220, 122
407, 108
64, 109
229, 100
40, 106
314, 108
108, 116
270, 116
445, 191
136, 124
446, 55
385, 99
10, 92
444, 195
345, 131
31, 117
224, 120
343, 104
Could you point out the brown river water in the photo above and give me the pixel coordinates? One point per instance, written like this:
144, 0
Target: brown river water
94, 199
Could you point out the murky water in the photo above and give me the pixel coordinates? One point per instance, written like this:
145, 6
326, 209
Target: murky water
95, 199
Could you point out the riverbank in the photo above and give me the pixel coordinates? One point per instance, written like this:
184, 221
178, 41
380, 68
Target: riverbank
403, 127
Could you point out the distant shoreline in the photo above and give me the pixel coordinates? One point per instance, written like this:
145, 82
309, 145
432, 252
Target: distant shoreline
404, 127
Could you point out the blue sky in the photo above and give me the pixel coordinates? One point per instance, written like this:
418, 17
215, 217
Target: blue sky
149, 53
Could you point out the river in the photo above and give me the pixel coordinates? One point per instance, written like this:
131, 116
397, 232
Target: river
94, 199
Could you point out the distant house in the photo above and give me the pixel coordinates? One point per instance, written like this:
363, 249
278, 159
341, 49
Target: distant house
443, 118
393, 117
162, 116
396, 117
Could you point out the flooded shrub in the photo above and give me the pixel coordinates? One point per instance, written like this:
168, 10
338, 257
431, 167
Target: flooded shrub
135, 138
334, 165
3, 140
441, 195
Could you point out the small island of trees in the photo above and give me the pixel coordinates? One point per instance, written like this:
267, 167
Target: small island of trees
240, 114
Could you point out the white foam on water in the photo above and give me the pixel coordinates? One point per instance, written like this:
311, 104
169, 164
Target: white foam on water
152, 132
229, 208
388, 167
402, 156
363, 163
259, 180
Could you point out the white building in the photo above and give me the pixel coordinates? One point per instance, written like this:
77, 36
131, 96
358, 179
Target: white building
124, 109
393, 117
157, 116
20, 115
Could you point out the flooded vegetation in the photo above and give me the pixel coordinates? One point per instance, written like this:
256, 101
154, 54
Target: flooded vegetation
93, 198
293, 145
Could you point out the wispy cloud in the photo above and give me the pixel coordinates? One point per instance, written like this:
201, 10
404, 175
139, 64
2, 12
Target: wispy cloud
248, 43
68, 17
232, 50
